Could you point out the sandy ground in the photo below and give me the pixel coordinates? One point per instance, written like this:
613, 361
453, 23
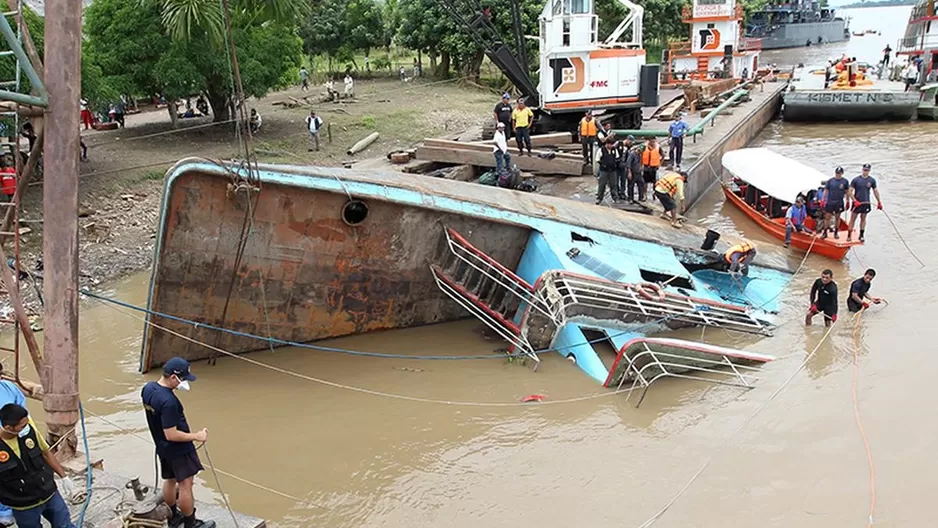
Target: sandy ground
121, 184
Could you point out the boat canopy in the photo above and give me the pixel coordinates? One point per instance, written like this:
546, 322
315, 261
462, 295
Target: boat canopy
775, 175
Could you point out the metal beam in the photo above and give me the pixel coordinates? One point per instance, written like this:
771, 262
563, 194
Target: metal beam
60, 231
43, 96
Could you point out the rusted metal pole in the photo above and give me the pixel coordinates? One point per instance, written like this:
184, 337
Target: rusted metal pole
60, 229
20, 311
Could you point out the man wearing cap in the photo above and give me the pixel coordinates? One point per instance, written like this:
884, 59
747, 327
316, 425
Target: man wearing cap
676, 132
622, 169
633, 164
502, 156
503, 113
588, 131
836, 188
175, 444
859, 194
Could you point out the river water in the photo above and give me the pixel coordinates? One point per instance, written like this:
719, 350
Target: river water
363, 460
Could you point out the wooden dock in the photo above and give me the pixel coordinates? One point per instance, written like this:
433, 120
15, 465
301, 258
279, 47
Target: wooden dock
110, 495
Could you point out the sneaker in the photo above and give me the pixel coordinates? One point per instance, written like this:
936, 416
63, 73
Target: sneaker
176, 520
785, 245
598, 202
862, 238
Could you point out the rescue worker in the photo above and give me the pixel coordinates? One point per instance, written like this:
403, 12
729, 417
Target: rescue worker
859, 290
622, 168
859, 194
668, 189
794, 219
607, 171
588, 131
9, 393
27, 465
633, 163
737, 258
823, 299
836, 188
676, 131
7, 180
175, 444
651, 160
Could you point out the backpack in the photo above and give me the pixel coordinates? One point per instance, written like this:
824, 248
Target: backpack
527, 185
509, 178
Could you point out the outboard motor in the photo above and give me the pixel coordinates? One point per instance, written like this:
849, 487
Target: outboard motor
710, 240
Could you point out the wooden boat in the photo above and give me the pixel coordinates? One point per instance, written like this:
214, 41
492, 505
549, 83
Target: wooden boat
928, 107
771, 182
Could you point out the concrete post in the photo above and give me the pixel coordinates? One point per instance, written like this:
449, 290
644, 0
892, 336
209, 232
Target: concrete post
60, 208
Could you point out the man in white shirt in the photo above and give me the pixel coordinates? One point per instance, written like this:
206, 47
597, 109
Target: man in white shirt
502, 156
349, 86
313, 125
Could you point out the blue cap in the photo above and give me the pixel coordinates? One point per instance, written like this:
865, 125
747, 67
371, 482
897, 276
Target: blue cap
506, 95
631, 137
178, 367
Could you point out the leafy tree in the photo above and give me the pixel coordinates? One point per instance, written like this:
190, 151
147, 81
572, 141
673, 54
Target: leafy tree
324, 31
364, 24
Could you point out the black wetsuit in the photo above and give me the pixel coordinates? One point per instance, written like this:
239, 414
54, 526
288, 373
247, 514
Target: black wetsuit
824, 297
861, 288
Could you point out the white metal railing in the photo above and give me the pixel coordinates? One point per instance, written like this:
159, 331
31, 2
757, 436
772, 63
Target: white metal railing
649, 366
508, 333
922, 42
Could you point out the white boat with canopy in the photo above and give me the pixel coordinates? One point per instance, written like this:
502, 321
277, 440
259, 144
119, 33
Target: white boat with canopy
775, 175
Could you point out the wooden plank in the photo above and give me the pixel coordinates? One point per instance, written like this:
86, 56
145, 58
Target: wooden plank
486, 159
544, 140
666, 113
480, 147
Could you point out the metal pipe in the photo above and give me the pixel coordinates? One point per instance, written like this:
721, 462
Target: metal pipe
20, 311
27, 66
696, 129
60, 206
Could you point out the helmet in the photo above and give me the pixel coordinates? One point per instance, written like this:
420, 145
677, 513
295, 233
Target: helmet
839, 170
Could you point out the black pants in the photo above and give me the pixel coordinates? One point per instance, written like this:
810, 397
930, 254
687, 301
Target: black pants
606, 177
587, 142
622, 175
635, 182
523, 138
676, 151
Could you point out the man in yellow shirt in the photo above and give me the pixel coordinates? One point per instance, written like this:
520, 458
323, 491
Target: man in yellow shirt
26, 473
521, 120
668, 189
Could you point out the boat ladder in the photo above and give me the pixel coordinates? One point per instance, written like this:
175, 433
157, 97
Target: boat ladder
487, 289
574, 296
648, 366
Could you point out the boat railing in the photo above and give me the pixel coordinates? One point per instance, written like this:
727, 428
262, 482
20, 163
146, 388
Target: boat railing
917, 44
648, 366
585, 296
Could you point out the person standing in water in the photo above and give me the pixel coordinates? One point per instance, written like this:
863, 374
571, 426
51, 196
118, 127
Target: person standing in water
823, 299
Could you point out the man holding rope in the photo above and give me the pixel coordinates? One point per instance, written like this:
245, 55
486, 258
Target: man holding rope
175, 445
823, 299
858, 299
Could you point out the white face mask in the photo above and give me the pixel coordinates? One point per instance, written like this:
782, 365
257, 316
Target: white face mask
183, 385
21, 434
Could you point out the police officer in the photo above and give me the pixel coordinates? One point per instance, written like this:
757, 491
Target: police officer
27, 465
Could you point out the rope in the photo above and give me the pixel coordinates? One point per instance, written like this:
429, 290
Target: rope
904, 243
88, 488
321, 348
362, 390
651, 520
856, 415
219, 470
208, 456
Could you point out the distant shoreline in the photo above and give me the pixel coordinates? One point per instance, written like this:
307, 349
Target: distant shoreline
878, 3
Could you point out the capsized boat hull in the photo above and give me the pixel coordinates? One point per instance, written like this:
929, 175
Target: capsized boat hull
830, 247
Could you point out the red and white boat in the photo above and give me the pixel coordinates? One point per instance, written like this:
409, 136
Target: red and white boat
765, 183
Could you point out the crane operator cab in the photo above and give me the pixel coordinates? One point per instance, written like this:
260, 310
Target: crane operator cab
579, 73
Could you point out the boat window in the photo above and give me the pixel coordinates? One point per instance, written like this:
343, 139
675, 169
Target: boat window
655, 277
354, 212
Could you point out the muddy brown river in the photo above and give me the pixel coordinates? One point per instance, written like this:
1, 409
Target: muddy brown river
358, 459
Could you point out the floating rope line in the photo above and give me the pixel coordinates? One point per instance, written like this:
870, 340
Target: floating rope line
856, 415
901, 239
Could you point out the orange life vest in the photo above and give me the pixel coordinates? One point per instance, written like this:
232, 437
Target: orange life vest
8, 181
651, 157
745, 247
668, 184
588, 128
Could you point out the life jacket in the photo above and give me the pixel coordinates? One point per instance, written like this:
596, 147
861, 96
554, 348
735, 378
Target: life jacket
745, 247
651, 157
588, 128
8, 181
668, 184
25, 480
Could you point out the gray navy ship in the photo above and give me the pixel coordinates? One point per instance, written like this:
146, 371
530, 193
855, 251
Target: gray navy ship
795, 24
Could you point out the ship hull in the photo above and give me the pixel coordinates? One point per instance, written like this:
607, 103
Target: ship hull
798, 35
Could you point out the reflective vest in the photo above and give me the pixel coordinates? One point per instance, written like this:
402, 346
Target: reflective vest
668, 184
8, 181
588, 128
651, 157
25, 480
745, 247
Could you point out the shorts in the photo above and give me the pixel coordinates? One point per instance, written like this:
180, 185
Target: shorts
862, 208
834, 207
180, 467
650, 174
666, 201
